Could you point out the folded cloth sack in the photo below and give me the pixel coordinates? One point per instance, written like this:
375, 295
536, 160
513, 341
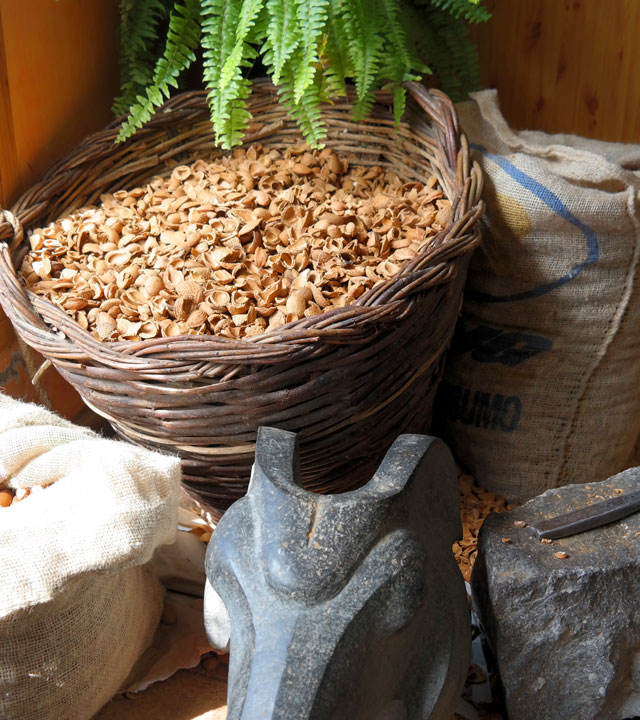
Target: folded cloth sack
79, 600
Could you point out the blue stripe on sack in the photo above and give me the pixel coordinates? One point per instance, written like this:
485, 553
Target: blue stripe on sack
554, 203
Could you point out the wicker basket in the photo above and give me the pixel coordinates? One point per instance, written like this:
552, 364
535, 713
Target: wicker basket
348, 380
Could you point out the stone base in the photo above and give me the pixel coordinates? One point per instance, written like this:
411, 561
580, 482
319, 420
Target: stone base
565, 630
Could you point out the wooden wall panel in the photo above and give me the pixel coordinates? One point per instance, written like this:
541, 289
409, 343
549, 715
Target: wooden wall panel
8, 163
58, 77
565, 65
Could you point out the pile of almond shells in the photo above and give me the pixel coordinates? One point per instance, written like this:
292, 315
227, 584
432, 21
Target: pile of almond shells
233, 247
475, 505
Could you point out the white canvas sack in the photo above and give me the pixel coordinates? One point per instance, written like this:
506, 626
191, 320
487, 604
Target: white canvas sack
79, 600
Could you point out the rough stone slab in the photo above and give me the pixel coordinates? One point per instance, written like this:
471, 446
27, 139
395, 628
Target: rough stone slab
566, 632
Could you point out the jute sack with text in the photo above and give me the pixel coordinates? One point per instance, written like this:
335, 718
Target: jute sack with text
79, 601
543, 376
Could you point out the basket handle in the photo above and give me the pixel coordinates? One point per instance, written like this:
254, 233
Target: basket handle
441, 110
6, 216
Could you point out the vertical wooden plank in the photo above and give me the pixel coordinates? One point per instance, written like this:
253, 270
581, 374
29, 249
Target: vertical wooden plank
565, 65
62, 74
58, 77
8, 164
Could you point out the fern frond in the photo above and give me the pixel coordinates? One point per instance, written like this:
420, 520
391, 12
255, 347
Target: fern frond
470, 10
226, 27
139, 21
249, 11
337, 65
399, 103
238, 117
443, 41
282, 33
309, 47
396, 74
312, 21
182, 40
395, 30
398, 61
305, 111
219, 22
365, 45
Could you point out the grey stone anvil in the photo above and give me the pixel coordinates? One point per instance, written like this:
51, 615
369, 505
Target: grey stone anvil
563, 618
341, 607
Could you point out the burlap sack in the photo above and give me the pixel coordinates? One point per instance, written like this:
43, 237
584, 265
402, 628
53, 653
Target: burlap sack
79, 601
542, 386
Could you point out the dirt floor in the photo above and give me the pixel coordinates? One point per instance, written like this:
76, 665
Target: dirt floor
187, 695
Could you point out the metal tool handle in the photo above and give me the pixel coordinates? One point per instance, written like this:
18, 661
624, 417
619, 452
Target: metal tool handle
588, 518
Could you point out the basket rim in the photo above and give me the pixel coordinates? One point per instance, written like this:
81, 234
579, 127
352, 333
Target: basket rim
63, 338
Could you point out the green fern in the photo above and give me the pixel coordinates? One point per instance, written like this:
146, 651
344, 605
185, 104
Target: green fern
182, 40
306, 110
139, 21
311, 48
396, 31
241, 50
445, 44
470, 10
282, 36
365, 45
337, 63
312, 21
227, 32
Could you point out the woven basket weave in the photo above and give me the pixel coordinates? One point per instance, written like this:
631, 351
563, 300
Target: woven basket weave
348, 380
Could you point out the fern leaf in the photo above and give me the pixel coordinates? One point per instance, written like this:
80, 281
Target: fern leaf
219, 22
443, 41
399, 103
247, 16
365, 45
312, 20
234, 125
227, 102
182, 40
395, 31
258, 32
336, 51
282, 33
139, 21
397, 60
305, 111
470, 10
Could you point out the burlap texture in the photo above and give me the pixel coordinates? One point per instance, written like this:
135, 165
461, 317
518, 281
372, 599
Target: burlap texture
543, 377
79, 601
